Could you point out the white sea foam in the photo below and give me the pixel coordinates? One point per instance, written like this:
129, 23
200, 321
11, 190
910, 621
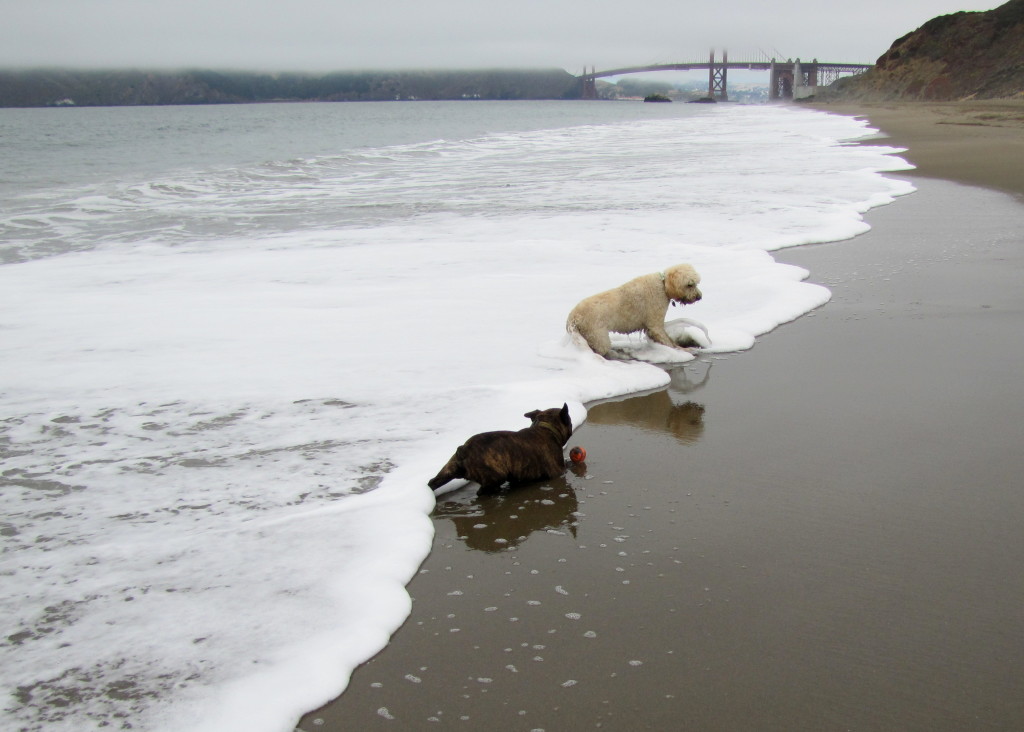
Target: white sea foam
221, 411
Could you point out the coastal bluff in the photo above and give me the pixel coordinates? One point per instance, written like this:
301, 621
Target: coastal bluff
957, 57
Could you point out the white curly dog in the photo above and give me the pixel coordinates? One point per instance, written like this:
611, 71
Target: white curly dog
638, 305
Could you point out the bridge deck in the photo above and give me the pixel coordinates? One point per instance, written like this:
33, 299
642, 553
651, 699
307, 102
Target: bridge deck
706, 65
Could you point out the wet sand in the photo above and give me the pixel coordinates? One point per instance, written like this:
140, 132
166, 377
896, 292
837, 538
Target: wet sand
824, 532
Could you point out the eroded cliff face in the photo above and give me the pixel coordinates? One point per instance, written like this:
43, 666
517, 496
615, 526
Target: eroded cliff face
952, 57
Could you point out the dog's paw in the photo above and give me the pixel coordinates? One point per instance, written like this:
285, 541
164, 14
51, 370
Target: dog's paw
686, 340
687, 333
620, 354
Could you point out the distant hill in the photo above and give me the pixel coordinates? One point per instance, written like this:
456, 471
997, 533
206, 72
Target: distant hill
952, 57
43, 88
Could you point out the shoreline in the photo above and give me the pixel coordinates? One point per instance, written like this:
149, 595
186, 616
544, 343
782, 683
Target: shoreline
978, 143
821, 532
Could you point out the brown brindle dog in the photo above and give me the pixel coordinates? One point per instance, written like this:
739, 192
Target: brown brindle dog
495, 458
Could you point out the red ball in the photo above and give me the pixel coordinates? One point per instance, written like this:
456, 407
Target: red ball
577, 454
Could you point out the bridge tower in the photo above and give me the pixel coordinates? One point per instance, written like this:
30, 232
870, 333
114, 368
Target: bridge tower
805, 79
589, 83
717, 77
781, 84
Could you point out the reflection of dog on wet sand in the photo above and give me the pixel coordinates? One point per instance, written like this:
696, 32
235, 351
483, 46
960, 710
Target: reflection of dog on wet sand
500, 521
654, 413
495, 458
638, 305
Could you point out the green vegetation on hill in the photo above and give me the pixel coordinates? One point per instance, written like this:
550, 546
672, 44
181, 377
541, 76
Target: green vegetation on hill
41, 88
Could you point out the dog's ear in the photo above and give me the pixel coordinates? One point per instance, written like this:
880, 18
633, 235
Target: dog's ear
532, 415
564, 415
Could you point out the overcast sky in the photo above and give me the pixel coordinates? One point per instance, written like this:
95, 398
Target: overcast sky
326, 35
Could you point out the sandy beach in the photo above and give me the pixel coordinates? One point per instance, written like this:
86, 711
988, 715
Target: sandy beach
823, 532
975, 142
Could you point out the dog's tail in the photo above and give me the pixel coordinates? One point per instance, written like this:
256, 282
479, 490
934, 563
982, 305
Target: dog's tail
574, 327
451, 470
576, 338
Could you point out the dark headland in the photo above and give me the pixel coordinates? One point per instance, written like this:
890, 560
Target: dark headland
63, 87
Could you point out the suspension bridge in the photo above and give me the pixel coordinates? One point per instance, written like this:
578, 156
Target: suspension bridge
789, 79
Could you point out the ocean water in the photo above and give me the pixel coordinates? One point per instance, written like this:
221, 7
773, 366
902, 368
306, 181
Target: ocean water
235, 342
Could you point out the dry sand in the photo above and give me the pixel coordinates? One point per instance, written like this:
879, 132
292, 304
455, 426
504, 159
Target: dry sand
824, 532
980, 142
